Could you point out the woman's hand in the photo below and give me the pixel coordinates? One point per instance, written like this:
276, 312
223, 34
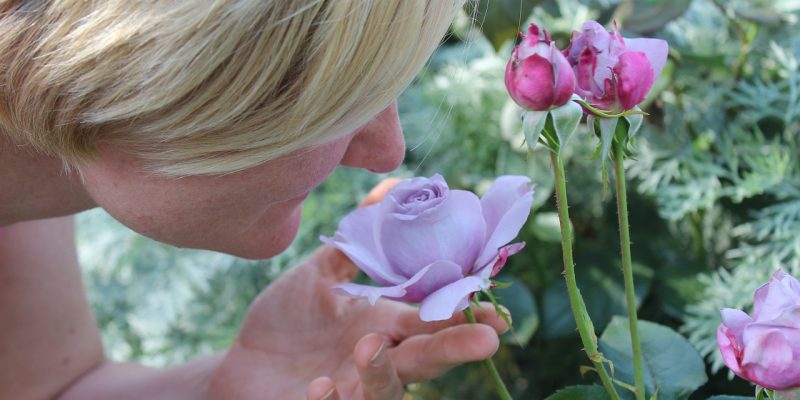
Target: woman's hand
300, 339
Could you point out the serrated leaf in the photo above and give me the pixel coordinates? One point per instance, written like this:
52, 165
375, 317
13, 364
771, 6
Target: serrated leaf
580, 392
672, 367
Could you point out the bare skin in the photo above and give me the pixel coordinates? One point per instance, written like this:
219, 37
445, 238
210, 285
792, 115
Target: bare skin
298, 339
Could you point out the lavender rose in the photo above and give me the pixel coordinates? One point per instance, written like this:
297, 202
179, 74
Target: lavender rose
430, 245
765, 349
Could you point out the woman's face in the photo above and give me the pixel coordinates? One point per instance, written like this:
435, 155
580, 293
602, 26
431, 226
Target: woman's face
254, 213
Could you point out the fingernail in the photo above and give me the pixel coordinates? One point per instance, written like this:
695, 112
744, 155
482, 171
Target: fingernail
379, 356
329, 395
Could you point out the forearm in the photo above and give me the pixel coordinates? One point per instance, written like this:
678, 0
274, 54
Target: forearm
48, 337
123, 381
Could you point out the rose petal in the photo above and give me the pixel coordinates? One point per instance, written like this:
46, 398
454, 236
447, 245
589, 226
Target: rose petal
356, 237
759, 298
591, 34
656, 51
634, 78
453, 231
505, 206
735, 320
428, 280
371, 293
768, 360
772, 299
531, 82
565, 81
432, 278
499, 261
585, 67
398, 198
729, 349
445, 302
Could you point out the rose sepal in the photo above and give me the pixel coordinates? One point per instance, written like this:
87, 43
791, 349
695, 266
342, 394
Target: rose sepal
553, 128
617, 129
591, 110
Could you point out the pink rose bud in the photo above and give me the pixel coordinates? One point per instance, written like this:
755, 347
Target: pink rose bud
765, 348
614, 73
538, 76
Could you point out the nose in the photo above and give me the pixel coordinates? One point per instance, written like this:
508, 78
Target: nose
377, 146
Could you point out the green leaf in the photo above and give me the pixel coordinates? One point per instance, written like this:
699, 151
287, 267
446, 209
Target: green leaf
546, 227
647, 16
565, 121
603, 291
678, 286
522, 305
580, 392
500, 20
672, 365
727, 397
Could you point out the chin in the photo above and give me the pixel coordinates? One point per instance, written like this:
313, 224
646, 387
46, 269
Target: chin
261, 246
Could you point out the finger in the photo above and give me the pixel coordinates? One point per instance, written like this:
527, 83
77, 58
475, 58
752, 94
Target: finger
376, 194
333, 265
424, 357
408, 323
322, 388
379, 380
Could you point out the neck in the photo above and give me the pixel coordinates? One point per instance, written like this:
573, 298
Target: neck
35, 186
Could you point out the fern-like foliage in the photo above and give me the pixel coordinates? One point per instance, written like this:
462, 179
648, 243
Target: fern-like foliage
728, 154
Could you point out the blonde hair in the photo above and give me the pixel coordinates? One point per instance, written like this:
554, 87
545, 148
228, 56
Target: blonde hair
206, 87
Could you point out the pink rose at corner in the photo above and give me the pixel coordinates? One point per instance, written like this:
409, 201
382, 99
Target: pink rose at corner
424, 243
765, 348
538, 76
614, 73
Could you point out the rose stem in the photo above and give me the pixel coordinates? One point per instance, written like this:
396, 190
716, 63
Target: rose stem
627, 267
498, 382
582, 320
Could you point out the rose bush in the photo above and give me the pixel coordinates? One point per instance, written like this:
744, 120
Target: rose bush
430, 245
765, 348
538, 76
614, 73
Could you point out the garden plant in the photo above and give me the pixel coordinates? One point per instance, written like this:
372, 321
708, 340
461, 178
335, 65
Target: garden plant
622, 177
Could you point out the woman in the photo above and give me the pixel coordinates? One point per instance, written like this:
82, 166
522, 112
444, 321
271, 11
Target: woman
205, 125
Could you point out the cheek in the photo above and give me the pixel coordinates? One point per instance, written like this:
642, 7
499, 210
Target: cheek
253, 214
160, 211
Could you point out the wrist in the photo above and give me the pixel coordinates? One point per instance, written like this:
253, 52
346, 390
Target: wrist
125, 381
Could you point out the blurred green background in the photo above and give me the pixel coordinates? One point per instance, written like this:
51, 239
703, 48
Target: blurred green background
714, 201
